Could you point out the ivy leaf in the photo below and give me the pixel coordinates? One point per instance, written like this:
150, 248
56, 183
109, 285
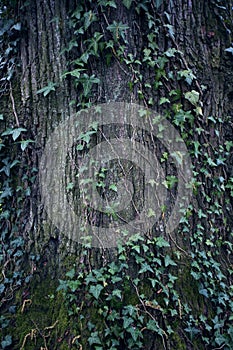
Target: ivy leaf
2, 288
178, 157
74, 73
47, 89
158, 3
204, 292
117, 293
229, 49
7, 192
85, 137
94, 338
187, 74
164, 100
25, 143
168, 261
96, 290
16, 133
7, 341
118, 30
16, 26
161, 243
71, 273
7, 132
127, 321
220, 339
129, 309
89, 18
151, 213
192, 331
192, 97
5, 26
153, 326
127, 3
145, 267
170, 30
113, 187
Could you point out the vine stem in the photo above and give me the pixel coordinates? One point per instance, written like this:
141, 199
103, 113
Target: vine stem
13, 106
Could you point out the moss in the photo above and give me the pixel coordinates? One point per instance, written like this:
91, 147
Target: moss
45, 308
177, 342
188, 289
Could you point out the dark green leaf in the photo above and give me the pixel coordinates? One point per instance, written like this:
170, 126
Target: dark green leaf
158, 3
96, 290
161, 243
127, 3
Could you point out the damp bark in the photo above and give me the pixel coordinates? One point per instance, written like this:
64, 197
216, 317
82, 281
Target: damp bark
202, 37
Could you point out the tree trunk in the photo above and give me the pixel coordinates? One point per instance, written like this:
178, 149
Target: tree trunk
169, 286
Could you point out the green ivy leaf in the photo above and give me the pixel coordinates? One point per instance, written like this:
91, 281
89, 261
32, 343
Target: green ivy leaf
94, 338
127, 321
145, 267
117, 293
118, 30
7, 341
158, 3
16, 133
96, 290
229, 49
2, 288
127, 3
153, 326
113, 187
47, 89
16, 26
164, 100
25, 143
71, 273
168, 261
161, 243
192, 97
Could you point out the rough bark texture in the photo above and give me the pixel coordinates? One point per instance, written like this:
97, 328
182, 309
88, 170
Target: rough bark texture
199, 33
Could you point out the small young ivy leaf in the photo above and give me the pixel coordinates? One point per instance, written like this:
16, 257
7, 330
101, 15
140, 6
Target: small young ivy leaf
151, 213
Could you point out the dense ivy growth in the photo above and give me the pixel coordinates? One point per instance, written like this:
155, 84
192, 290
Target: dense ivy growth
154, 290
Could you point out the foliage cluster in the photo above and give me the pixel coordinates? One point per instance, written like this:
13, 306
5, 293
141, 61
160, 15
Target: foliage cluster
125, 306
153, 288
14, 189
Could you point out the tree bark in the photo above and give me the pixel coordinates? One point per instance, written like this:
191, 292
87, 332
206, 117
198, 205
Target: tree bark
200, 30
